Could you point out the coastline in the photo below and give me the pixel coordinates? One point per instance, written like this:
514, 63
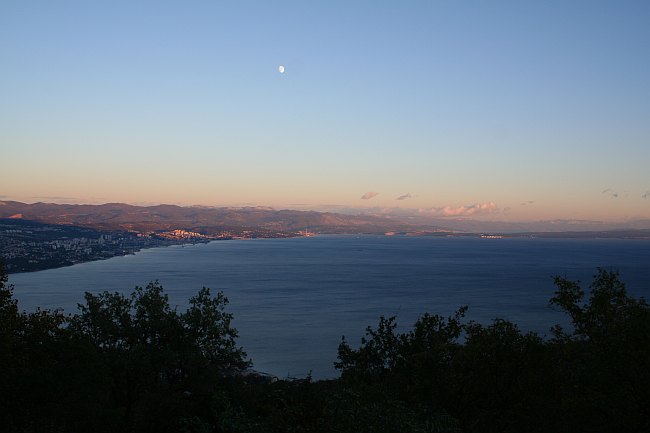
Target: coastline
44, 253
30, 246
44, 266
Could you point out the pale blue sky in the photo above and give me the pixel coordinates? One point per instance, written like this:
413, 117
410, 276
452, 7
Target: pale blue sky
454, 102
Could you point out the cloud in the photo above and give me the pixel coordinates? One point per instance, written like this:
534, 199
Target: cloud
461, 211
646, 195
418, 214
527, 202
404, 197
469, 210
610, 192
369, 195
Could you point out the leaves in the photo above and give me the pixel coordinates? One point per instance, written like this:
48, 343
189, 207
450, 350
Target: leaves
209, 326
134, 363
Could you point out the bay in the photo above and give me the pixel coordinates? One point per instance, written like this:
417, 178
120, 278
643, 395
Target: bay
293, 299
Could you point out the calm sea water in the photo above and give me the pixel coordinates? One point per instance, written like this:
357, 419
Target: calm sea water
293, 299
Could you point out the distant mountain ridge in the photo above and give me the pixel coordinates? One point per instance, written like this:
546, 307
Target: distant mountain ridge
119, 216
209, 220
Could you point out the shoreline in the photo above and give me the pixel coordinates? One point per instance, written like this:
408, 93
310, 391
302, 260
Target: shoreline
134, 250
99, 259
32, 262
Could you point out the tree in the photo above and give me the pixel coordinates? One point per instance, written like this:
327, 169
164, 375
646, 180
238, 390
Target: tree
605, 361
208, 326
49, 379
493, 378
164, 364
9, 317
391, 372
501, 380
608, 311
382, 351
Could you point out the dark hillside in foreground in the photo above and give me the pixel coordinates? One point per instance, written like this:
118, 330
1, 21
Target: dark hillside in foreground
134, 364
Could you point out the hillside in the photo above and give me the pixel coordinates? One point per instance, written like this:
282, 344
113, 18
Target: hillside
117, 216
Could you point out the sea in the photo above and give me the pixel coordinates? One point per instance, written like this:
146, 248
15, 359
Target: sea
294, 299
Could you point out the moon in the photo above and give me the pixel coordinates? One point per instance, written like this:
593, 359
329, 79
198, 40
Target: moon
281, 69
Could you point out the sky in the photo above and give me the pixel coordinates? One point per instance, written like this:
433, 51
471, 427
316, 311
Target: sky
506, 110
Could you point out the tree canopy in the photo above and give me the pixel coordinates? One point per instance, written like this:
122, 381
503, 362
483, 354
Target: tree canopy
132, 363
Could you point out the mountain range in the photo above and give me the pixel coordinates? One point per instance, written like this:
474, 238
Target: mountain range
208, 220
118, 216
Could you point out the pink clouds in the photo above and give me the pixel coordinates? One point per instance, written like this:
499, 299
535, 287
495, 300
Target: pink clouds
461, 211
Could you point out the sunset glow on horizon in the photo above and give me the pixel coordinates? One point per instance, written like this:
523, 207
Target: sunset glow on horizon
503, 111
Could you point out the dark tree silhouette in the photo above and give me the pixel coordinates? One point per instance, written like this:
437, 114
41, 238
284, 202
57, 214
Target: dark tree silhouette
135, 364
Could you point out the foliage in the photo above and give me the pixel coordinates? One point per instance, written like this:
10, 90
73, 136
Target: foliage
494, 378
133, 363
605, 361
8, 315
120, 364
